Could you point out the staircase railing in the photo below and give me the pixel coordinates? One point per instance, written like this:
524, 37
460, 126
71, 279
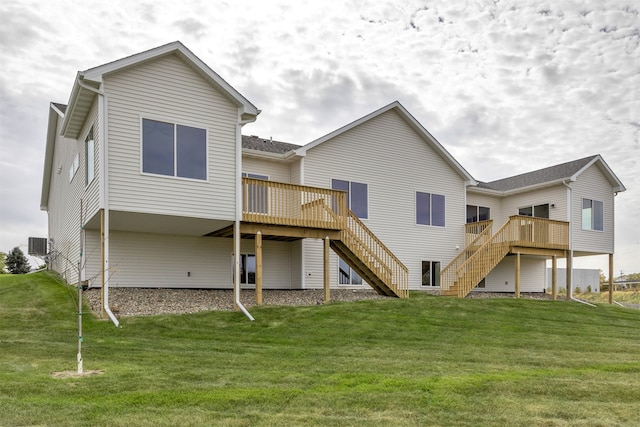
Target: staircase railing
477, 234
482, 261
375, 255
519, 231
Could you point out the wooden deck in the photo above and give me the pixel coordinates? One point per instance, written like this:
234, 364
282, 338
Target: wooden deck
279, 211
521, 235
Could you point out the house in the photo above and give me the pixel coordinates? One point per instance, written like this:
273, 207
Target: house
149, 182
576, 201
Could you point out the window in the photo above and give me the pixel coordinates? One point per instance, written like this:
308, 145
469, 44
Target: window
256, 197
174, 150
538, 211
74, 167
89, 157
430, 273
429, 209
477, 213
592, 215
347, 276
357, 196
247, 269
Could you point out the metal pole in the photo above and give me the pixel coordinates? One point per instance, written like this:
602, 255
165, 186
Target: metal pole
80, 370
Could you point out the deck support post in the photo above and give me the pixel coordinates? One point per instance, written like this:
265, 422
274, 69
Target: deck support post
554, 278
327, 274
259, 268
610, 278
517, 290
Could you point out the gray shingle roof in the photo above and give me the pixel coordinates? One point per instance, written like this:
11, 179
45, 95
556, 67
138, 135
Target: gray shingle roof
550, 174
268, 145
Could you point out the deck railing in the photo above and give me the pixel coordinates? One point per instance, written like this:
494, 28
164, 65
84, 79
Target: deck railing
541, 233
477, 234
474, 229
270, 202
519, 231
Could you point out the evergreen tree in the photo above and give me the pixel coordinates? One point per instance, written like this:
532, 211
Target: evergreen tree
3, 256
16, 262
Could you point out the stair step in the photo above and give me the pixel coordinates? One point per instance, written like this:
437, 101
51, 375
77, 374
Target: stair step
448, 293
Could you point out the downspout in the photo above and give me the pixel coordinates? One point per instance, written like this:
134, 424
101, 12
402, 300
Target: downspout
236, 232
303, 276
105, 194
571, 243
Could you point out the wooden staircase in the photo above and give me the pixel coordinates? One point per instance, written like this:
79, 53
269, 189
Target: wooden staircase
485, 251
371, 259
313, 212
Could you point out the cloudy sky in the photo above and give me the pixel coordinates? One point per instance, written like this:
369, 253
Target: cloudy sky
506, 86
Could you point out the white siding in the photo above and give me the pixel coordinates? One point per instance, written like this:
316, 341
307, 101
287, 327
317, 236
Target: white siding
276, 263
493, 203
276, 171
592, 184
296, 171
164, 261
93, 257
168, 89
556, 195
64, 206
91, 196
296, 265
313, 268
395, 162
503, 277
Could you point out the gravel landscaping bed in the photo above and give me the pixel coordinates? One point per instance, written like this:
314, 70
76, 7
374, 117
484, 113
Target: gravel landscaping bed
148, 302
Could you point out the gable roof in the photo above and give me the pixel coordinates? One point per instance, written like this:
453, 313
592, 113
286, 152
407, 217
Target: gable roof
56, 112
87, 84
552, 175
411, 121
61, 107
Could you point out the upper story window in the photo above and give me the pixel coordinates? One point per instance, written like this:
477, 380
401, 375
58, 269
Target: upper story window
174, 150
430, 209
592, 215
357, 196
477, 213
89, 157
538, 211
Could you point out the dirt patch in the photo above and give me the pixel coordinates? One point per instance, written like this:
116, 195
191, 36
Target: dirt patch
74, 374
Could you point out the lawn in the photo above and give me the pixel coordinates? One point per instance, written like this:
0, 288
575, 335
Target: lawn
422, 361
628, 296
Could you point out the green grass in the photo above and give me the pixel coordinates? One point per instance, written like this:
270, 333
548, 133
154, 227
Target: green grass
629, 296
423, 361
